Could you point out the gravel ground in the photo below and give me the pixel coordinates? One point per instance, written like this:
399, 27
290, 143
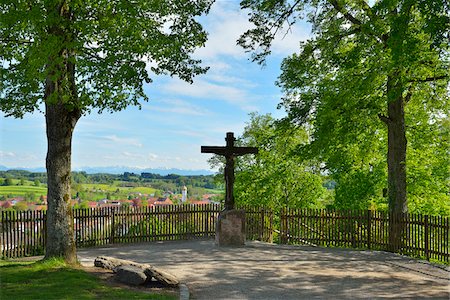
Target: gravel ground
268, 271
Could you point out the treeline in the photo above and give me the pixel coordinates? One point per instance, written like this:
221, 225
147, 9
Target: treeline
6, 176
167, 182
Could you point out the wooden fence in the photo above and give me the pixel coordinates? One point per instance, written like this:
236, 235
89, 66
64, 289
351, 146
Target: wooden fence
23, 233
417, 235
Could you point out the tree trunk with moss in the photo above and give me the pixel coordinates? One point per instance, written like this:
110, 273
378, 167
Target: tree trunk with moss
61, 115
60, 235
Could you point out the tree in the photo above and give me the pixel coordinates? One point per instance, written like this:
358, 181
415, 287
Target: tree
365, 63
70, 57
8, 182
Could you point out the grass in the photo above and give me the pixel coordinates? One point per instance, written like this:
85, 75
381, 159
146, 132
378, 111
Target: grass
53, 279
115, 187
21, 190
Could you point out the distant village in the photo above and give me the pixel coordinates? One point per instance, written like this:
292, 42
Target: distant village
137, 200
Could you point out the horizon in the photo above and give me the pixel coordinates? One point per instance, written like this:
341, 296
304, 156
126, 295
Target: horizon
117, 170
179, 118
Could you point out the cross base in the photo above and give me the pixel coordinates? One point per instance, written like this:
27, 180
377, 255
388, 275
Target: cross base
230, 228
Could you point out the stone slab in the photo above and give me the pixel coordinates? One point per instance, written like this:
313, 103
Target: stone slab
230, 228
130, 275
162, 277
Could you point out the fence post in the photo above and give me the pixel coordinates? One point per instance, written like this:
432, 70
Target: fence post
4, 244
427, 233
283, 239
369, 216
113, 225
261, 233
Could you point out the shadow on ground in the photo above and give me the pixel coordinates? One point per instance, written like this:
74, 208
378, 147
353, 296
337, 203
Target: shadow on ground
267, 271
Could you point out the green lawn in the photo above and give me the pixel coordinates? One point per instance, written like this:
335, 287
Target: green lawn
21, 190
54, 280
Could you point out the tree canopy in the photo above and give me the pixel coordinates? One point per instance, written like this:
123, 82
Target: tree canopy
114, 47
373, 76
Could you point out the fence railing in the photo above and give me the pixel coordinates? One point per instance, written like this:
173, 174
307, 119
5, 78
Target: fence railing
409, 234
23, 232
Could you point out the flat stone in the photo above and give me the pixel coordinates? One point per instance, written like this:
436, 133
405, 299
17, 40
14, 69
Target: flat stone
130, 275
230, 228
110, 263
161, 276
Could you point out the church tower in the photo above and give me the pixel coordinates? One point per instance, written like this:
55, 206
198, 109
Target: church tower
184, 194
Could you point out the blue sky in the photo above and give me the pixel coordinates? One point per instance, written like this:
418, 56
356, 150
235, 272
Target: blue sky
179, 118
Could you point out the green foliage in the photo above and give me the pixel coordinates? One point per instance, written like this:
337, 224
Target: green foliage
363, 56
276, 177
22, 205
106, 44
50, 279
8, 182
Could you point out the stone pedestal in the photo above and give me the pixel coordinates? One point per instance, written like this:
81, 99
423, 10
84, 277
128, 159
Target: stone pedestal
230, 228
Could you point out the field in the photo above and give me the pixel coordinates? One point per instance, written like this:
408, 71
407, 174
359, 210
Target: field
22, 190
113, 188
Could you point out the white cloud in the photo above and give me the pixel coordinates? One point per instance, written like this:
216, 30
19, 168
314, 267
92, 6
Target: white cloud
122, 141
152, 157
7, 154
226, 22
207, 90
178, 106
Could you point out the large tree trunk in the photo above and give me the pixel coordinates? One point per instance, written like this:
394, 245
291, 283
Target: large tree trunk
396, 162
397, 157
60, 231
61, 114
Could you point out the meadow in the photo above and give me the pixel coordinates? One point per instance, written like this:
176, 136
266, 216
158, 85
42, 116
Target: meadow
22, 190
116, 187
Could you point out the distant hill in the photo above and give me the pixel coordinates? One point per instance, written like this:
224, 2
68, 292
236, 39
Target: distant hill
33, 170
160, 171
122, 169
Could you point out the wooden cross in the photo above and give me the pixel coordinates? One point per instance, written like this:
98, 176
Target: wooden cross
230, 152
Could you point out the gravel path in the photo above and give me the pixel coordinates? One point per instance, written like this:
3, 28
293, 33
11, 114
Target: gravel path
268, 271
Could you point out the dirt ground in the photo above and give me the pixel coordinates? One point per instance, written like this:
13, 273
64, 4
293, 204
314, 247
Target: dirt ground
267, 271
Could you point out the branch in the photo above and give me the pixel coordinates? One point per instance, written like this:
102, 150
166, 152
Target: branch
345, 13
434, 78
383, 118
16, 41
408, 94
367, 9
284, 15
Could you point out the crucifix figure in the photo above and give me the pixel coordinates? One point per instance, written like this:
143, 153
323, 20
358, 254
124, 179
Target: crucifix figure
230, 152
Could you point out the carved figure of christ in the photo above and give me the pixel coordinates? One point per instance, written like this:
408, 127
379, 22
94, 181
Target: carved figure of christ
230, 152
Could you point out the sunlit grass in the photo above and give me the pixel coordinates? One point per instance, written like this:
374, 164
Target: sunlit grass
21, 190
53, 279
113, 188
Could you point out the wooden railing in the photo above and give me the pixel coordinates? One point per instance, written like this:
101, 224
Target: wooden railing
23, 233
410, 234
